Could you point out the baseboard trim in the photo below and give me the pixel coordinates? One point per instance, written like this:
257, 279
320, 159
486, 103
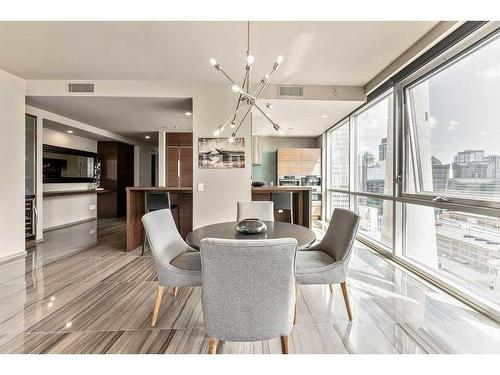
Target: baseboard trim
12, 257
69, 224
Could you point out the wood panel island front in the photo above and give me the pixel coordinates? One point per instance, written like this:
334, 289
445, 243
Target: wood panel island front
302, 204
182, 196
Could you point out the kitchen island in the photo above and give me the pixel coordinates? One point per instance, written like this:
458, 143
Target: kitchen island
302, 204
182, 196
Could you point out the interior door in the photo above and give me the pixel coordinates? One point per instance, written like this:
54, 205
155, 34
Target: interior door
173, 167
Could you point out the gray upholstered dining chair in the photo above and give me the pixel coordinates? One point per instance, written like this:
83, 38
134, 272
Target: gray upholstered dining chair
248, 289
262, 210
177, 264
327, 262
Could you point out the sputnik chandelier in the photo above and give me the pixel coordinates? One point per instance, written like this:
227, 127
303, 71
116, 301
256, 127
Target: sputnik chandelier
246, 98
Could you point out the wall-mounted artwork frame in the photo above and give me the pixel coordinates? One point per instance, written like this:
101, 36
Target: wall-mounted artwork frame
220, 153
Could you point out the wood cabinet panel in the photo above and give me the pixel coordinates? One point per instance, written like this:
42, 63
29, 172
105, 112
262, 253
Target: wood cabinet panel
186, 139
310, 168
289, 168
289, 154
310, 154
172, 139
186, 166
172, 166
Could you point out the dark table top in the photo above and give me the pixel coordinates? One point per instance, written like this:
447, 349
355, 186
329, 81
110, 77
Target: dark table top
275, 229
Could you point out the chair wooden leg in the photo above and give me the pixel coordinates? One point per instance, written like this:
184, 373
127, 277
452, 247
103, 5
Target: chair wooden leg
296, 302
331, 288
346, 299
156, 308
212, 345
284, 344
174, 293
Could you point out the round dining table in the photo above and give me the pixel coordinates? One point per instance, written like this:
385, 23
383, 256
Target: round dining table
275, 229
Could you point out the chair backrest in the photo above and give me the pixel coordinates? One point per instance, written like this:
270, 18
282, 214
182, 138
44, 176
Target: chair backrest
157, 200
340, 234
262, 210
166, 242
282, 201
248, 288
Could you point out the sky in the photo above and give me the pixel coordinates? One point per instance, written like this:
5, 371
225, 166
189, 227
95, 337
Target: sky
465, 105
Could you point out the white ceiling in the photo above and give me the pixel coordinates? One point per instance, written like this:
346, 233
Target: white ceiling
300, 118
130, 117
320, 53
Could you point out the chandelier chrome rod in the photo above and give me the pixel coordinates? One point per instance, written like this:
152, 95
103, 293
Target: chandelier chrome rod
266, 116
221, 126
219, 68
241, 122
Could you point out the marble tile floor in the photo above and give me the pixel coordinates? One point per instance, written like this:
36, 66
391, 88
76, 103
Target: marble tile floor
79, 292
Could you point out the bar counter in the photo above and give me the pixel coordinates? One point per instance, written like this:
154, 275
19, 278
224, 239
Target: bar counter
302, 204
183, 197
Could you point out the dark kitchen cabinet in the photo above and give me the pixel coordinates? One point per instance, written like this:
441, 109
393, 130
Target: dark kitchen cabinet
179, 163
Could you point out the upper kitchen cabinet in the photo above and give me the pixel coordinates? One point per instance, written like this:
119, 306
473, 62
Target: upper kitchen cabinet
299, 161
179, 165
310, 162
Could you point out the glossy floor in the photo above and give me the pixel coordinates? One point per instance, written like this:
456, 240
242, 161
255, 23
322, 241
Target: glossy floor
79, 292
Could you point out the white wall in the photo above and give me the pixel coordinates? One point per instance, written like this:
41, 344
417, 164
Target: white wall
65, 210
12, 91
142, 164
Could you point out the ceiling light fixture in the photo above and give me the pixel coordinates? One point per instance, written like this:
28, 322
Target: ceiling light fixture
147, 137
69, 131
324, 116
247, 99
189, 114
177, 127
269, 105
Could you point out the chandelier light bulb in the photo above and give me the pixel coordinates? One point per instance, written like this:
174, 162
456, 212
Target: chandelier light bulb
235, 88
279, 59
250, 59
213, 62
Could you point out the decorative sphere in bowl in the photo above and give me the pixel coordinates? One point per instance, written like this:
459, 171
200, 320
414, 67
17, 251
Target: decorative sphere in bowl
250, 226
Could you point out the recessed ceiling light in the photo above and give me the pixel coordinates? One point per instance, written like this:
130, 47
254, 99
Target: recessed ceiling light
325, 116
177, 127
147, 137
188, 113
69, 131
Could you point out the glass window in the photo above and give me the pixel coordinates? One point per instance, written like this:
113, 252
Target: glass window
373, 147
375, 219
460, 246
454, 134
334, 199
338, 153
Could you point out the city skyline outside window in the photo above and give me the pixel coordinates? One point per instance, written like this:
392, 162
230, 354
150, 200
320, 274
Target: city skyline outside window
373, 144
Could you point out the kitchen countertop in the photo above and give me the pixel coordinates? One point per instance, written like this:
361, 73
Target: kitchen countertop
281, 188
160, 188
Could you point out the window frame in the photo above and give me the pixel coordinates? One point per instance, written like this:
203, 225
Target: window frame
442, 56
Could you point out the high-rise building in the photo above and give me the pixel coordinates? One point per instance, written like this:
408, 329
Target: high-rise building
440, 175
382, 149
